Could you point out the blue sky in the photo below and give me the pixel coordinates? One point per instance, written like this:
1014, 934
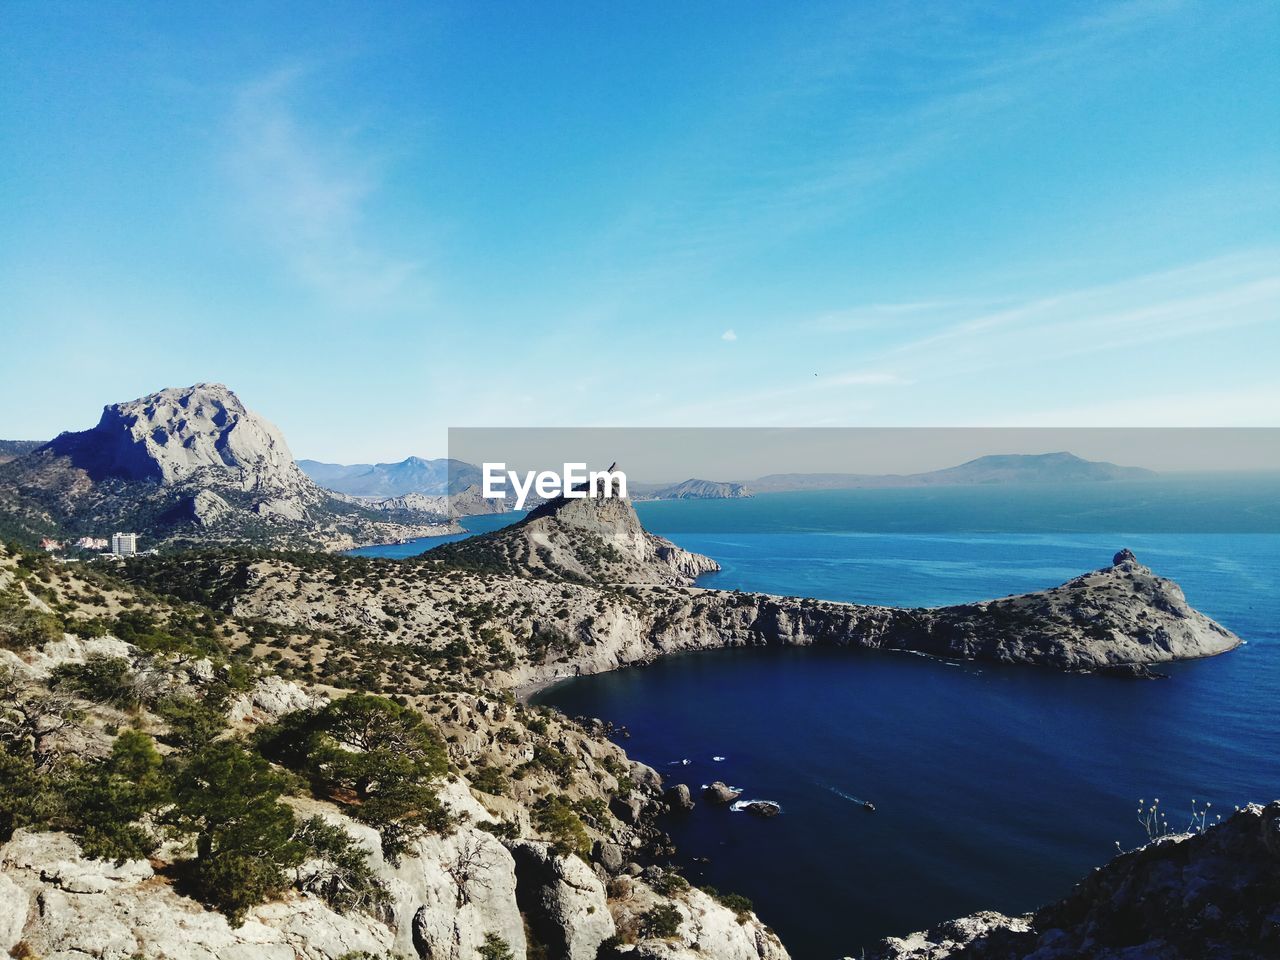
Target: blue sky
375, 224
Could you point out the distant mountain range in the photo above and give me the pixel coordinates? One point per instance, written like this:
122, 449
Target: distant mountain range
410, 475
432, 478
1059, 467
689, 490
193, 465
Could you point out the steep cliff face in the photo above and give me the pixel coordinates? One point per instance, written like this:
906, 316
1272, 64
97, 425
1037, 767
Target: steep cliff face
1120, 616
188, 463
199, 433
1211, 895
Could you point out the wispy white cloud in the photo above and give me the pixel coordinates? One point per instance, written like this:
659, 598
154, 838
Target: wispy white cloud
940, 368
304, 189
729, 336
1195, 299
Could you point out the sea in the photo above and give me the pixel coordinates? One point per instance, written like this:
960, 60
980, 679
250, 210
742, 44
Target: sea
994, 787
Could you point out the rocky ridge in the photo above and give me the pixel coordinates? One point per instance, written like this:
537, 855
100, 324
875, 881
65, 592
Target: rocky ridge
585, 573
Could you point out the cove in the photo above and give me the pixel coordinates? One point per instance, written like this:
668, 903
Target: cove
995, 788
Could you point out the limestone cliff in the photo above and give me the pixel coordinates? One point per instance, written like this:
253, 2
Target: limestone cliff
187, 465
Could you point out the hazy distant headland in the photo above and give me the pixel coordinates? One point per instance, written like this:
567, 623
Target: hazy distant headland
415, 475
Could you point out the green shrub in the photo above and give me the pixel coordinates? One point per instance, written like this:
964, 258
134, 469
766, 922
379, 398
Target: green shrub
27, 797
376, 758
21, 625
668, 883
555, 817
192, 723
107, 803
661, 921
494, 948
502, 829
490, 780
230, 799
102, 679
734, 901
337, 869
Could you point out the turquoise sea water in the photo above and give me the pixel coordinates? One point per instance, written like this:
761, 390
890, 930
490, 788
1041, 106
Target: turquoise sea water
994, 787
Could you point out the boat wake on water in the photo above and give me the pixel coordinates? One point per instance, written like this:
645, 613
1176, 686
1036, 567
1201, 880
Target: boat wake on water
865, 804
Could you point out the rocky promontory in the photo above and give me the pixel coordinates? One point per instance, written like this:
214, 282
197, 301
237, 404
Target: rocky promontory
582, 588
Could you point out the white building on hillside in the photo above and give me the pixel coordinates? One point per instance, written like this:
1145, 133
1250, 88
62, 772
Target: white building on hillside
124, 544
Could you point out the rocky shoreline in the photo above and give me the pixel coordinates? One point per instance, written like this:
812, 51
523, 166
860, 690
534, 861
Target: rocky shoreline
1212, 894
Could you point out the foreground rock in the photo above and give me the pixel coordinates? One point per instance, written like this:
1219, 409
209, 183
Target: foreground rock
706, 929
566, 899
1205, 896
62, 906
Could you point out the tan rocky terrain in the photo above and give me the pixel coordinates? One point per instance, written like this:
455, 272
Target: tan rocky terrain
544, 841
580, 587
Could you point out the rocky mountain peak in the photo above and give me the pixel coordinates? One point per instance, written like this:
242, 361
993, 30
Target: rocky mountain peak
588, 538
181, 433
1124, 556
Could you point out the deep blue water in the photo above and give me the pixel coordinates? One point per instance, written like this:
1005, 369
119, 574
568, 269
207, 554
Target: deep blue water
995, 787
411, 548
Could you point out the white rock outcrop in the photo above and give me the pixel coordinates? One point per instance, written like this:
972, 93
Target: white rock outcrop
448, 892
564, 899
184, 432
270, 699
707, 929
66, 907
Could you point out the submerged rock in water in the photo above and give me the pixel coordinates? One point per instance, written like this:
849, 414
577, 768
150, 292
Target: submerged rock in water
721, 793
760, 808
679, 798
